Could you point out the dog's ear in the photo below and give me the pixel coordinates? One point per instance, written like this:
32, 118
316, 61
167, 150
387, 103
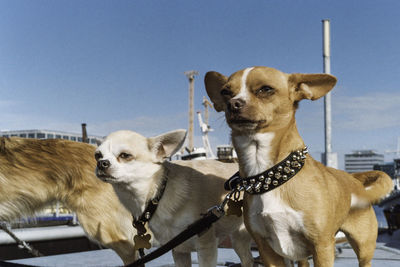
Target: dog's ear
311, 86
166, 145
214, 82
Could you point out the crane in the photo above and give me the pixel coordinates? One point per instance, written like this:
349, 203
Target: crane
204, 135
206, 105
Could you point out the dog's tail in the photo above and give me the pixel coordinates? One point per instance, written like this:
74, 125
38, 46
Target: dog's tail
377, 185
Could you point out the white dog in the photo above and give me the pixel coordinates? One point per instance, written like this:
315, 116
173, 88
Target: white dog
136, 167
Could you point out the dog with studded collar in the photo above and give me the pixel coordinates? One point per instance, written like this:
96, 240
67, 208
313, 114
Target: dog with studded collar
168, 196
300, 217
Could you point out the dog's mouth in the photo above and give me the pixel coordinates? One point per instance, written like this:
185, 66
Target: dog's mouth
242, 122
105, 177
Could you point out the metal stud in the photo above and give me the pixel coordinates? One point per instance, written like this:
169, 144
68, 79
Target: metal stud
295, 164
275, 182
292, 172
284, 177
271, 173
249, 189
294, 157
287, 163
244, 182
265, 186
252, 181
280, 168
261, 178
278, 175
268, 181
286, 169
147, 215
257, 187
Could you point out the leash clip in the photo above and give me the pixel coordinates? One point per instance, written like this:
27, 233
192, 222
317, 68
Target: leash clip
234, 192
217, 211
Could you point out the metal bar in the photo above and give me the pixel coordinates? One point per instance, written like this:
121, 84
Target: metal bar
42, 234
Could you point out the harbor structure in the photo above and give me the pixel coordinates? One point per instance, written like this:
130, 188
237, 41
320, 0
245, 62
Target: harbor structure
190, 75
51, 134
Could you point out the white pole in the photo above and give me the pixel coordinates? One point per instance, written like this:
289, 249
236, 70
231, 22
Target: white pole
327, 98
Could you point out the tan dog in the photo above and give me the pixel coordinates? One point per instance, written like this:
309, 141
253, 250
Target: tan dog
136, 167
36, 173
302, 216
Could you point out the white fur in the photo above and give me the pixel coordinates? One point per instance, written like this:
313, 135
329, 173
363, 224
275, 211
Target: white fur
136, 182
282, 226
253, 152
243, 93
268, 215
134, 176
358, 202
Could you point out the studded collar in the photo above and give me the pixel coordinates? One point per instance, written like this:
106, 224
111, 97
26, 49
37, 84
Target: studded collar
150, 209
271, 178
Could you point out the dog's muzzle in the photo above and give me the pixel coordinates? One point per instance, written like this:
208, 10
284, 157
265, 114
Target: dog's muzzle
236, 104
103, 165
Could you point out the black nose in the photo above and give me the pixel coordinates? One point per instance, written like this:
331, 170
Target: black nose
236, 104
103, 164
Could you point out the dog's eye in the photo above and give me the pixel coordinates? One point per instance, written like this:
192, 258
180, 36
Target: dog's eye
98, 155
265, 90
124, 155
226, 92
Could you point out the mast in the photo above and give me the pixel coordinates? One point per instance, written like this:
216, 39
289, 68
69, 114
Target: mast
328, 156
190, 75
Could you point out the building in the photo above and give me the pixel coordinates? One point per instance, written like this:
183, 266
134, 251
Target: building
397, 173
362, 160
49, 134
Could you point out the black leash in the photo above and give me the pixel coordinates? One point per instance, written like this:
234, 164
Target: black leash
198, 227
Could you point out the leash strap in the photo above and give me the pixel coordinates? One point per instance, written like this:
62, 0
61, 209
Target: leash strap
198, 227
21, 243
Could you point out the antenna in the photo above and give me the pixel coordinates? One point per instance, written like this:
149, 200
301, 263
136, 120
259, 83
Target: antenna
190, 75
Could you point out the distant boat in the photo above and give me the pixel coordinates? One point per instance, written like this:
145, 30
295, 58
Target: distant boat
198, 153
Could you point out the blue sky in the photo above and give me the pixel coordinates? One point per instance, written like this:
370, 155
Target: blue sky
119, 64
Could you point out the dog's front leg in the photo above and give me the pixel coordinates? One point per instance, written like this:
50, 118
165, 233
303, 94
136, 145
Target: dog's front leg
269, 257
324, 253
241, 242
182, 259
207, 249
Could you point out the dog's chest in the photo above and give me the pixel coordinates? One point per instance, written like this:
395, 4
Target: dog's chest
165, 227
279, 224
